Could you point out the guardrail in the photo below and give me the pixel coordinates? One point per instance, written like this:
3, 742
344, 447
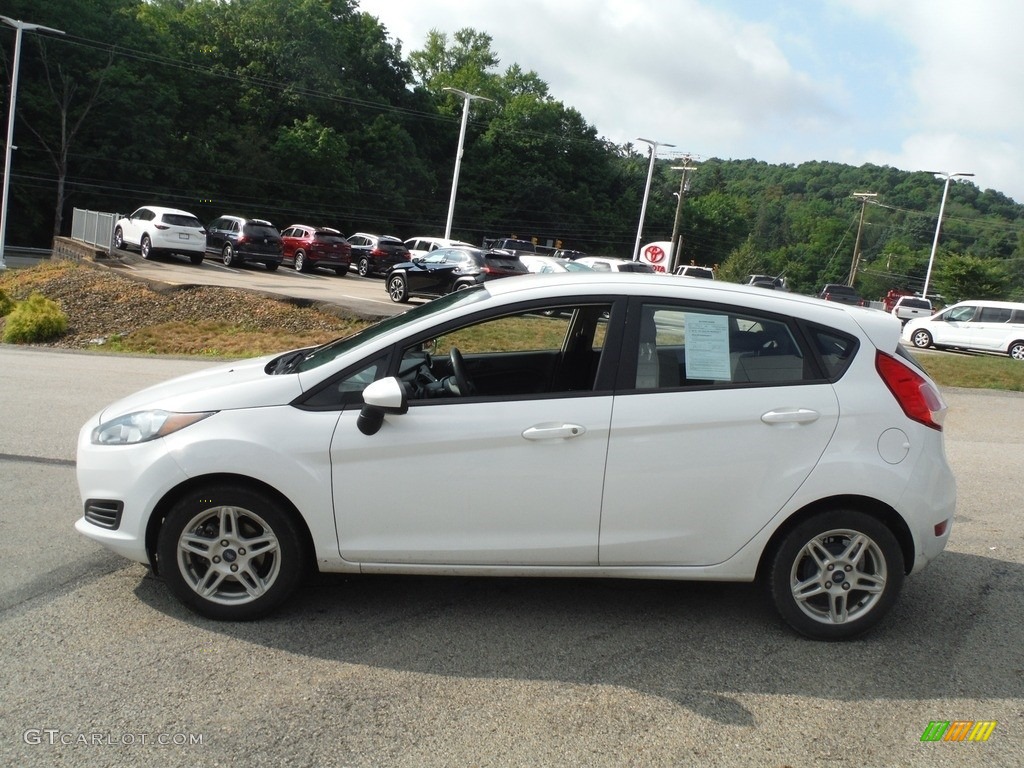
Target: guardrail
94, 227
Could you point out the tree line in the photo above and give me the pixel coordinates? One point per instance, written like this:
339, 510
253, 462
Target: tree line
306, 110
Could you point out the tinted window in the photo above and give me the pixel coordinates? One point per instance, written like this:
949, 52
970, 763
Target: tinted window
179, 220
682, 346
260, 230
993, 315
915, 303
328, 237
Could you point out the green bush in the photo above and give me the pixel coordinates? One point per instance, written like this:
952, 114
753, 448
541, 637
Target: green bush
6, 304
33, 320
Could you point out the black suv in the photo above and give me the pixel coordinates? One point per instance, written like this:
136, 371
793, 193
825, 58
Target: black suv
844, 294
449, 269
375, 254
237, 240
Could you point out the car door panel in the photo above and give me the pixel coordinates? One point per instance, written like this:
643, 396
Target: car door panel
715, 466
472, 484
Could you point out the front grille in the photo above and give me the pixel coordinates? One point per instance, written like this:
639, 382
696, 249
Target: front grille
104, 513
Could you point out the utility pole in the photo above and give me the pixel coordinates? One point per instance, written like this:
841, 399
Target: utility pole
673, 260
863, 197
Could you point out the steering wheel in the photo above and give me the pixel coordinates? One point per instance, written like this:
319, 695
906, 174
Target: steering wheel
459, 371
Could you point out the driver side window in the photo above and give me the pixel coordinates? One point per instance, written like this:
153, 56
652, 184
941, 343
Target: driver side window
529, 353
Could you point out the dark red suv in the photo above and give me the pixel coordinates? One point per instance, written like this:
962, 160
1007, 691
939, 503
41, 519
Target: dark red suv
307, 248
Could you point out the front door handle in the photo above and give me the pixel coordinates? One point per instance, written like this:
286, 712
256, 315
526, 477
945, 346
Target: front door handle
554, 431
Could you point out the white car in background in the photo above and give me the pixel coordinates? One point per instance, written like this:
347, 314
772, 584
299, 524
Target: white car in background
644, 428
607, 264
541, 265
154, 230
983, 326
421, 246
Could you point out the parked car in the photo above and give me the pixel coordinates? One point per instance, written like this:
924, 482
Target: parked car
813, 447
908, 307
767, 281
513, 245
239, 240
376, 254
984, 326
606, 264
692, 270
544, 264
154, 230
307, 248
449, 269
421, 246
844, 294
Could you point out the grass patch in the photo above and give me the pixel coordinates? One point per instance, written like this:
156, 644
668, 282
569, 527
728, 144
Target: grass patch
973, 371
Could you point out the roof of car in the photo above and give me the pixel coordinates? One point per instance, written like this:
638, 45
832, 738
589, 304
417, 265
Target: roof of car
162, 209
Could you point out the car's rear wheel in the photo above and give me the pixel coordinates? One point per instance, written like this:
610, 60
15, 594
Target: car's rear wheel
398, 289
146, 247
364, 266
118, 238
300, 262
921, 339
230, 553
228, 255
1017, 350
272, 266
835, 575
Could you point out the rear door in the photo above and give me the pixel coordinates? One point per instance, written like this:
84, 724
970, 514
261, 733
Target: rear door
720, 417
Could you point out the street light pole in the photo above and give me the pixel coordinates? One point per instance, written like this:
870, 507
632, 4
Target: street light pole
20, 27
938, 225
468, 97
673, 257
647, 192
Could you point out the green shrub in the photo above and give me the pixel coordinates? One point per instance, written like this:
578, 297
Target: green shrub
33, 320
6, 304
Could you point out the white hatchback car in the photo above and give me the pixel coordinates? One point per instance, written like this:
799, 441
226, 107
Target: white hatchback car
153, 230
645, 428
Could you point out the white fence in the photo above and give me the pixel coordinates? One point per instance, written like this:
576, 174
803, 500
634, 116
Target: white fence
94, 227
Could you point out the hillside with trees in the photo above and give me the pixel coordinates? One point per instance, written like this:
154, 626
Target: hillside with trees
307, 110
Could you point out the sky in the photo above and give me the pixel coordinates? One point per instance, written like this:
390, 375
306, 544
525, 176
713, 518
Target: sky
934, 85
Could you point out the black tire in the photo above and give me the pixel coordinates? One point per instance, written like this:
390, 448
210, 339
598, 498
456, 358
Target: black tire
119, 239
272, 266
228, 255
398, 288
921, 339
342, 271
196, 258
300, 262
146, 247
364, 266
1016, 350
205, 561
836, 575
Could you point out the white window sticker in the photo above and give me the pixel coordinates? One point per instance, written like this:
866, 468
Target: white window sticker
707, 347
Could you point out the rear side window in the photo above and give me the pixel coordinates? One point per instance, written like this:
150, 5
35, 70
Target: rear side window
993, 315
835, 349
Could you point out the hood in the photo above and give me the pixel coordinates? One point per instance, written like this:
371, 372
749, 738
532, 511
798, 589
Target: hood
242, 384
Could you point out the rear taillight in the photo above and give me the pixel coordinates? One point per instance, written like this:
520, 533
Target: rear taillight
917, 396
162, 226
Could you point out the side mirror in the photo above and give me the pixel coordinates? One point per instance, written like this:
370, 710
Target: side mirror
379, 398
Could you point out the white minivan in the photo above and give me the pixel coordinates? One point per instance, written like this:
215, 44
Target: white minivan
987, 326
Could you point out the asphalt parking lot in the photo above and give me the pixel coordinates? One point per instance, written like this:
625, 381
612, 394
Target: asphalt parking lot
102, 667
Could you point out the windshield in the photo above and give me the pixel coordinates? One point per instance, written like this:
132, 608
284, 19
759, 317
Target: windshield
334, 349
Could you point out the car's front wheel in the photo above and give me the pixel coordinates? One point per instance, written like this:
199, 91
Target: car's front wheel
364, 266
1017, 350
230, 553
921, 339
835, 575
118, 239
146, 247
228, 255
398, 289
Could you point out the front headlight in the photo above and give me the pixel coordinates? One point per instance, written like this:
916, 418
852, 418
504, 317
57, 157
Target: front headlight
144, 425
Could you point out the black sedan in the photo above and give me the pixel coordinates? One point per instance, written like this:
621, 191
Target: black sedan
449, 269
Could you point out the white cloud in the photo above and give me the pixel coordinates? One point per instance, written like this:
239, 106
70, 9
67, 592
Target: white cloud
909, 83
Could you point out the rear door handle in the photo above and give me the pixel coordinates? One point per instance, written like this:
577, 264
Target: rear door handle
555, 431
791, 416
